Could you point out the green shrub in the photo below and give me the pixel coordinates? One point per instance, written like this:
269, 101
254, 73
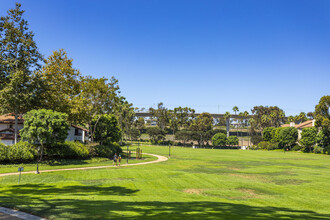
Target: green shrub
268, 133
297, 148
107, 150
254, 147
20, 152
318, 149
266, 145
68, 150
232, 140
219, 139
326, 150
256, 139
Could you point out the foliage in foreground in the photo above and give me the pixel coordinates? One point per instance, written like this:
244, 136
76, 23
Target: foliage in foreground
69, 150
16, 153
106, 150
106, 129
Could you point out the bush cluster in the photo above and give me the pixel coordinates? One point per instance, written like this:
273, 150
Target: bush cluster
277, 138
266, 145
68, 150
220, 139
17, 153
105, 150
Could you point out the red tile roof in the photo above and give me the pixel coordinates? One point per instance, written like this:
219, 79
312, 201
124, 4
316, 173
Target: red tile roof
10, 119
79, 127
306, 124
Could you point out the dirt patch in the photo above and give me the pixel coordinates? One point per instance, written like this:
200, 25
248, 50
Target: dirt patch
193, 191
250, 192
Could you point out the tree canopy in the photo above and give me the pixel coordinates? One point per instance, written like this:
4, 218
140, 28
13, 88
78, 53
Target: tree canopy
45, 127
19, 57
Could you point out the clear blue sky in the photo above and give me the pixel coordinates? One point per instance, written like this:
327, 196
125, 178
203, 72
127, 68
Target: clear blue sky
209, 55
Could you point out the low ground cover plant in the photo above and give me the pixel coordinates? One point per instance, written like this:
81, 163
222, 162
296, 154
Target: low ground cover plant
17, 153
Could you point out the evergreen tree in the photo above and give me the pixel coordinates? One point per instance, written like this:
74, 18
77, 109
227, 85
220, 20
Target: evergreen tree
19, 57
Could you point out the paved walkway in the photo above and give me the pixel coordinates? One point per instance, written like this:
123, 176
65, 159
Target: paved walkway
10, 214
159, 159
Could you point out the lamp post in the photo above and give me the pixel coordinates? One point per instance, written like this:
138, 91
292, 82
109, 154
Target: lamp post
37, 172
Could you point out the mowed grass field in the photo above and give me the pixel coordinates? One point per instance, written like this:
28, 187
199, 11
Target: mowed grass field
192, 184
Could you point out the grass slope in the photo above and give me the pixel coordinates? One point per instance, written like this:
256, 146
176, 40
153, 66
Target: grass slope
193, 184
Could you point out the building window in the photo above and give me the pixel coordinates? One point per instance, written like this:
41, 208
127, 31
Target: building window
77, 132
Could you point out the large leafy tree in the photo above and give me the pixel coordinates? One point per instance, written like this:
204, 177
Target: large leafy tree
201, 125
156, 134
107, 129
184, 115
45, 127
161, 115
184, 135
265, 116
139, 123
19, 57
288, 136
322, 118
59, 83
97, 97
268, 133
125, 114
308, 137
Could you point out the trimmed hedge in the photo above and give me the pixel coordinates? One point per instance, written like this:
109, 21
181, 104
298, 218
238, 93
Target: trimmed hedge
17, 153
107, 150
68, 150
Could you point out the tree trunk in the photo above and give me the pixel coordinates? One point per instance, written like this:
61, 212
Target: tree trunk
41, 152
16, 128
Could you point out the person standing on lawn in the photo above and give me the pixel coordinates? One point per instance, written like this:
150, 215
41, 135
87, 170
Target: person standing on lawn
119, 159
115, 159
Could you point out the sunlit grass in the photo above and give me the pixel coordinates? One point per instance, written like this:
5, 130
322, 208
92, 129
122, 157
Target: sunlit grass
192, 184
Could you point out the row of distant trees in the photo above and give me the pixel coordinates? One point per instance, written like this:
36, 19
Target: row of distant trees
187, 127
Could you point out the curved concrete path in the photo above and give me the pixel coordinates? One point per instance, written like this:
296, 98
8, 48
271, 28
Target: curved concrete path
11, 214
159, 159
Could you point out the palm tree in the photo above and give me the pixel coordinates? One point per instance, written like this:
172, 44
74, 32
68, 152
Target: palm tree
241, 123
246, 115
235, 109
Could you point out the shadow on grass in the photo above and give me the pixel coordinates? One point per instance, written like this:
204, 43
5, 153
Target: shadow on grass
75, 190
64, 162
90, 207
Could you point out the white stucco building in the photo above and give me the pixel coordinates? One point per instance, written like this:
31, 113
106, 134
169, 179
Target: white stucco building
7, 131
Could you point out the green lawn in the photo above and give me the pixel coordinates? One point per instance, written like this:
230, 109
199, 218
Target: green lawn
193, 184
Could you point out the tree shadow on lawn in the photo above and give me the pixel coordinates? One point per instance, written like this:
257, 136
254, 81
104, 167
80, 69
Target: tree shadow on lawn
74, 190
105, 209
64, 162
